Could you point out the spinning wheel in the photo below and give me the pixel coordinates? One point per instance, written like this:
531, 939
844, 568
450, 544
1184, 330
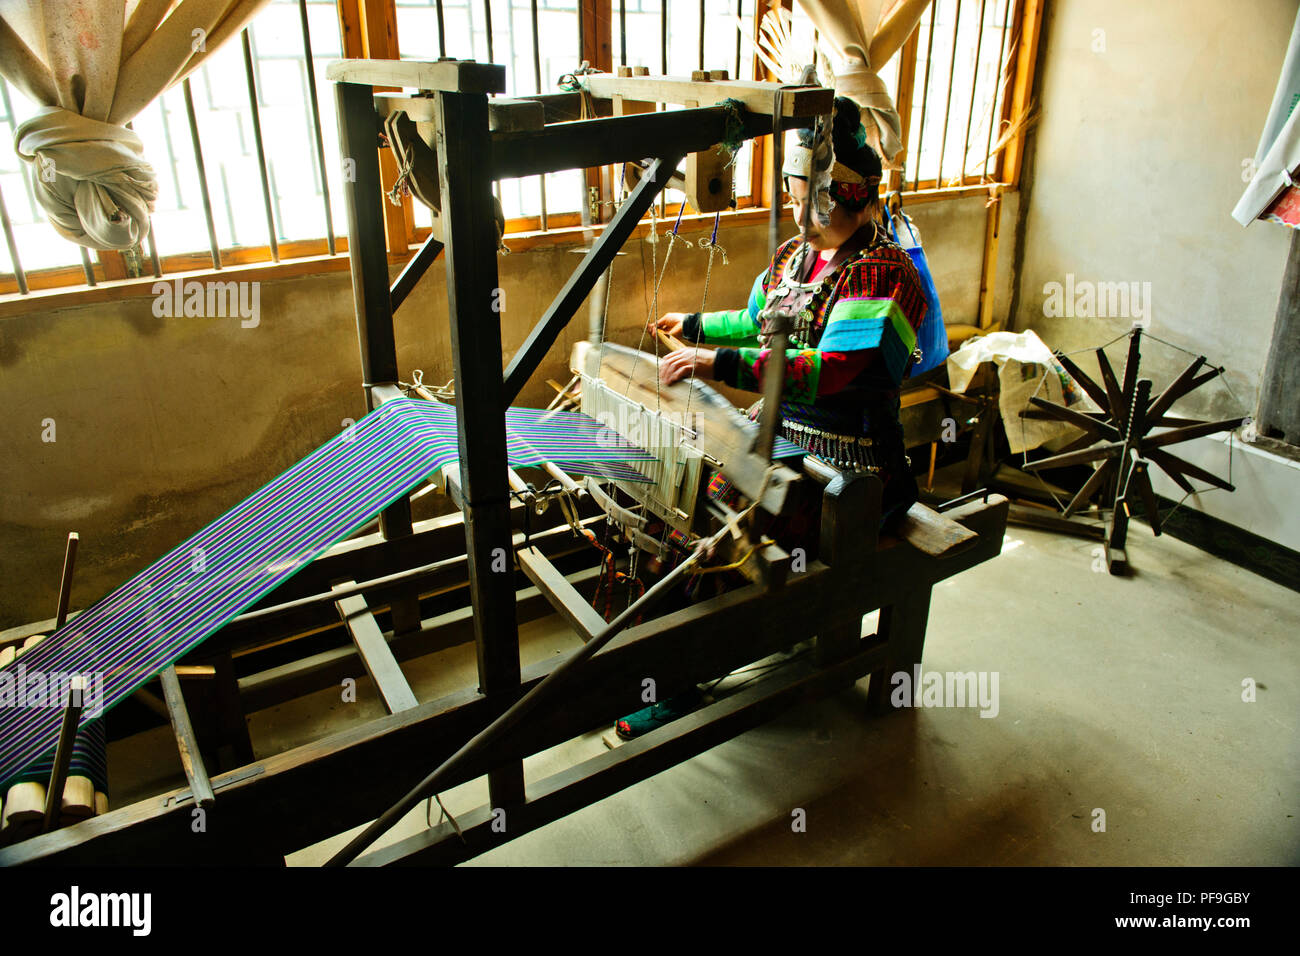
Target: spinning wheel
1120, 439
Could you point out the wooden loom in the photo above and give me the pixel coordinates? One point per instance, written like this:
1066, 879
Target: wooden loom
412, 588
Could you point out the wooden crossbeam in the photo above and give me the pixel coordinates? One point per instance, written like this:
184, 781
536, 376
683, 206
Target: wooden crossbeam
451, 76
797, 101
375, 653
186, 743
564, 597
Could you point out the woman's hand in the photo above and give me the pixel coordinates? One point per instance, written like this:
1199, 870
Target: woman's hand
676, 366
670, 322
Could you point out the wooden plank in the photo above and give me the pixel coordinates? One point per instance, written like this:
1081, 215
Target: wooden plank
564, 597
413, 271
505, 114
935, 534
756, 95
375, 653
186, 743
450, 76
614, 139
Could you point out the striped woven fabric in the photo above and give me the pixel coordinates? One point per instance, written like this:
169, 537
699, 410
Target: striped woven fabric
128, 637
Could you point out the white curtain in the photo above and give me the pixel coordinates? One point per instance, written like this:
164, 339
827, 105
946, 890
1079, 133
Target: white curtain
92, 65
862, 35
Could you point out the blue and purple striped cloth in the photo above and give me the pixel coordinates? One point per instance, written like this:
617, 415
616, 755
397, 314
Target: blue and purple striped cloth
128, 637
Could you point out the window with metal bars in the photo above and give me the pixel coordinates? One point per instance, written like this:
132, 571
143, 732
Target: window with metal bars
246, 148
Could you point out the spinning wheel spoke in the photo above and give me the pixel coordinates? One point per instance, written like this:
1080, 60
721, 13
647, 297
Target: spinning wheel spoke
1078, 419
1108, 450
1188, 432
1118, 410
1104, 471
1095, 391
1172, 464
1176, 390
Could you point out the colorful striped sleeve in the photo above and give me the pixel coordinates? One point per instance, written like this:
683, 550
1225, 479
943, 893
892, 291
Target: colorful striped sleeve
878, 308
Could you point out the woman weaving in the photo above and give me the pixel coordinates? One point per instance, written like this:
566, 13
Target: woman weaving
857, 301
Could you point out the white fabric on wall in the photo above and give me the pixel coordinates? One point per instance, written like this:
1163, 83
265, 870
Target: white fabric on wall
1278, 154
93, 65
861, 35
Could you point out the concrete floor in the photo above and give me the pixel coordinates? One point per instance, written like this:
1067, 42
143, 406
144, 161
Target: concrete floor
1123, 695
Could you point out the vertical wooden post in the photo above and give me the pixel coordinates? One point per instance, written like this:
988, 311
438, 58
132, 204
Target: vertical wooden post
466, 188
989, 269
63, 752
902, 625
1279, 412
370, 290
1028, 27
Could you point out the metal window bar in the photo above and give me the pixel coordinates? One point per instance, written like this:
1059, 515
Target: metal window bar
537, 73
925, 95
487, 25
701, 34
740, 18
171, 151
622, 32
86, 267
19, 275
253, 107
947, 100
213, 247
315, 122
663, 37
974, 86
154, 262
442, 32
997, 90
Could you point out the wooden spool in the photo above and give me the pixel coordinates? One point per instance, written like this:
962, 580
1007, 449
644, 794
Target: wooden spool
78, 799
101, 803
30, 643
709, 178
24, 811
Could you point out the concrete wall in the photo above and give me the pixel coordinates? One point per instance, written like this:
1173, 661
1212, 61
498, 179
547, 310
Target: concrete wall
1148, 112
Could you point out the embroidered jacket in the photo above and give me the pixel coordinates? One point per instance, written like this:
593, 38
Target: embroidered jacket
855, 330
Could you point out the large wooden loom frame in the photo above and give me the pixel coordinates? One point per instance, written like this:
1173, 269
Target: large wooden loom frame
256, 808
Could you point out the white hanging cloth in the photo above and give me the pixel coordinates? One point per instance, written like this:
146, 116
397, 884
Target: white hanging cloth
93, 65
1278, 154
862, 35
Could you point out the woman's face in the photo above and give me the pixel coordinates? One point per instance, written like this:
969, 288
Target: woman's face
843, 222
